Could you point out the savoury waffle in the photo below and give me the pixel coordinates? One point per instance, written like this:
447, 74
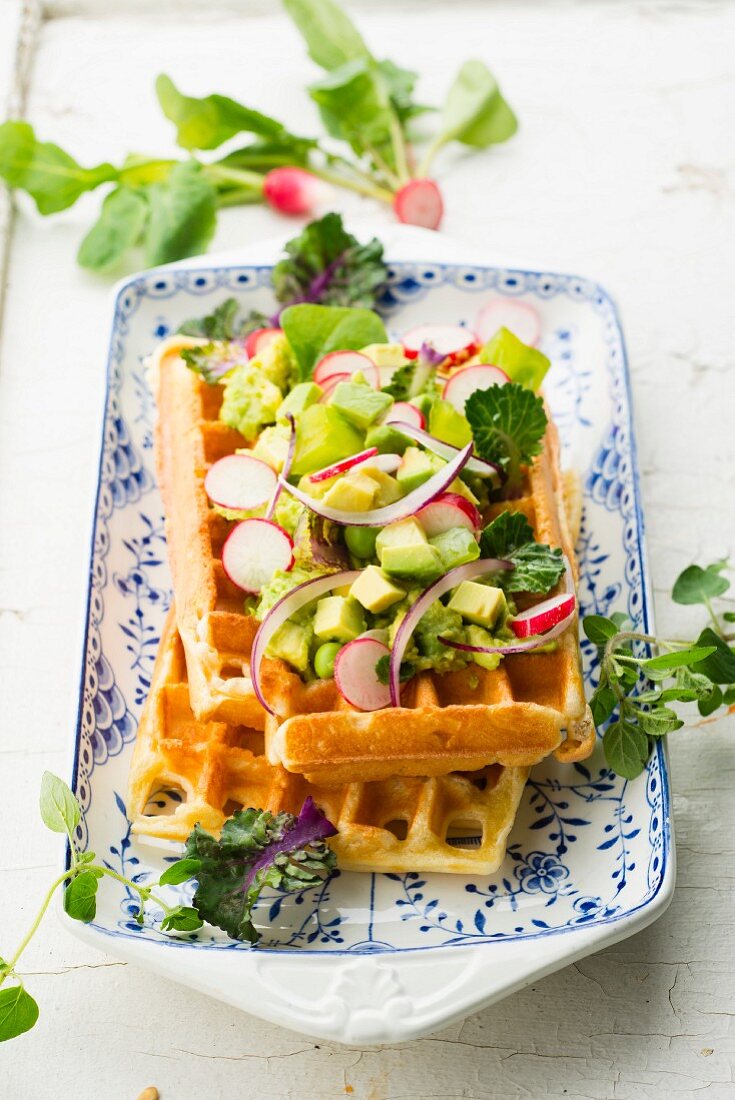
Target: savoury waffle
206, 770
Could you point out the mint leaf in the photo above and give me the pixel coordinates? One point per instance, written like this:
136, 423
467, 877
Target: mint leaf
718, 666
51, 177
80, 896
59, 808
508, 425
255, 850
18, 1012
119, 228
182, 919
538, 567
182, 215
627, 748
181, 871
697, 585
313, 331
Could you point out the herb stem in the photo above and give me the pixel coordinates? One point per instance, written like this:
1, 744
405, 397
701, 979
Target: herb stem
384, 168
713, 617
144, 892
240, 176
5, 973
371, 190
400, 152
428, 158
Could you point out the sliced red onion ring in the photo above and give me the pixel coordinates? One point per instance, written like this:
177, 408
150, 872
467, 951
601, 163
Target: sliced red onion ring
390, 513
445, 450
424, 602
514, 647
282, 611
568, 577
286, 467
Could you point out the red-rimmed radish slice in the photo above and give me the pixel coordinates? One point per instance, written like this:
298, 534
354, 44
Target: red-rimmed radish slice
388, 463
343, 466
522, 320
282, 610
286, 466
331, 385
378, 634
447, 511
445, 340
390, 513
541, 618
419, 202
258, 340
355, 675
527, 645
470, 379
239, 482
429, 596
346, 362
445, 450
404, 410
253, 551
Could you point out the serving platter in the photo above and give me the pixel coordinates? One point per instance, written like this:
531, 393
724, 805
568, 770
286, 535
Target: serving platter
378, 958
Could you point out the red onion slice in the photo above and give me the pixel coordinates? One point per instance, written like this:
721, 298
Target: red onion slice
286, 467
514, 647
390, 513
423, 603
282, 611
445, 450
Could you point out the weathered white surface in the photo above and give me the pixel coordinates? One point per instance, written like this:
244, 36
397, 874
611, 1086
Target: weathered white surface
624, 170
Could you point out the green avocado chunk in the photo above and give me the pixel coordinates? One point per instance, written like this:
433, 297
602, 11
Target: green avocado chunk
416, 468
480, 604
375, 590
477, 636
360, 403
323, 437
291, 643
387, 440
300, 398
448, 424
404, 551
338, 619
456, 547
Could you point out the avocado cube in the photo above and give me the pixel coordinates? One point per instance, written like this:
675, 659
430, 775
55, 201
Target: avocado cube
338, 619
416, 468
300, 398
385, 355
387, 440
405, 532
478, 603
456, 546
477, 636
462, 489
388, 489
418, 563
353, 493
360, 403
272, 447
291, 643
323, 437
448, 424
375, 591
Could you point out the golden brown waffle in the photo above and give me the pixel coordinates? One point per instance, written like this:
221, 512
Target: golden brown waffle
460, 721
393, 825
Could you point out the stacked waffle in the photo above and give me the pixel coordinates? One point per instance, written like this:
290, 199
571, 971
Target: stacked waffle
431, 785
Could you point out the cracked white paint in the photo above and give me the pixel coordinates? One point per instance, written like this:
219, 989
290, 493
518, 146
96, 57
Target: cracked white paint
623, 169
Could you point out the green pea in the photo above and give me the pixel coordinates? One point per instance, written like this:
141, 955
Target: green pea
361, 540
324, 659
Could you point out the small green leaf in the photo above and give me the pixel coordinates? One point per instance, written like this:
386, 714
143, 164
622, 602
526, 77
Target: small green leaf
719, 665
118, 228
208, 122
697, 585
728, 696
80, 896
667, 662
712, 702
694, 684
598, 629
475, 112
181, 871
627, 748
59, 808
659, 721
182, 215
620, 619
18, 1012
602, 704
182, 919
50, 176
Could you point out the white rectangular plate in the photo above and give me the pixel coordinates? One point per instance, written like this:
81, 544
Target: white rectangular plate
380, 958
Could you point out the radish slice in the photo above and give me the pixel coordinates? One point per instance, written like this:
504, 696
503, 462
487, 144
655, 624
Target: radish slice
446, 340
346, 362
239, 482
344, 465
526, 646
281, 611
544, 616
404, 410
400, 509
447, 511
423, 603
258, 340
253, 551
355, 675
521, 318
286, 466
419, 202
378, 634
470, 379
331, 385
445, 450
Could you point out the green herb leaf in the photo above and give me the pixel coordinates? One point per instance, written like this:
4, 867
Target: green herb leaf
667, 662
718, 666
355, 107
523, 364
18, 1012
691, 685
214, 362
602, 704
658, 721
50, 176
508, 425
382, 670
261, 156
217, 325
598, 629
538, 567
313, 331
255, 850
627, 748
728, 696
119, 227
182, 919
330, 35
711, 702
182, 215
59, 808
475, 112
181, 871
80, 896
399, 386
697, 585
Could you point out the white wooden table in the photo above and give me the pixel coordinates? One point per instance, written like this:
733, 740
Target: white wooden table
623, 169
